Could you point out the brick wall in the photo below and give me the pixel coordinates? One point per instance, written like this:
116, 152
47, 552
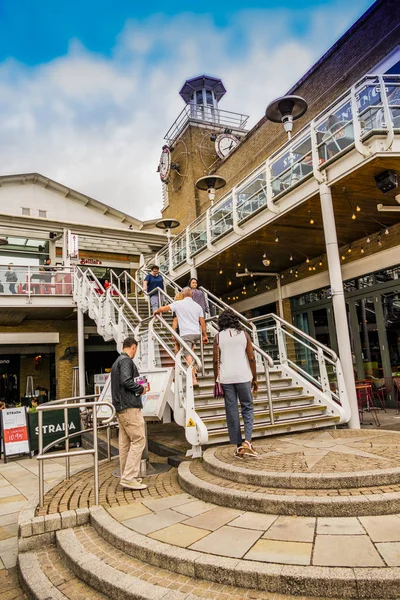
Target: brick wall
356, 53
68, 337
41, 375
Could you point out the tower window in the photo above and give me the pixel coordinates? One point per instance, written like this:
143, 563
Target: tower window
199, 97
26, 212
209, 98
43, 214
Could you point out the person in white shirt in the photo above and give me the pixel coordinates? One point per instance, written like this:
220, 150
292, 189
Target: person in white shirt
191, 322
235, 369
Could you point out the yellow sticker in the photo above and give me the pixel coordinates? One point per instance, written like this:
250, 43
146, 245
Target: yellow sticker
191, 423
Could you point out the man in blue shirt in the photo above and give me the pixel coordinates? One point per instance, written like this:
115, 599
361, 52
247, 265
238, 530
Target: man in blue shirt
153, 281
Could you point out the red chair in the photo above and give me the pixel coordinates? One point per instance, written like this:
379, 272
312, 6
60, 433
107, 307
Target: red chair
365, 401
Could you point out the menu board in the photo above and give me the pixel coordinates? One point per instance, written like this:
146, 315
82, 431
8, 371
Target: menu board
15, 436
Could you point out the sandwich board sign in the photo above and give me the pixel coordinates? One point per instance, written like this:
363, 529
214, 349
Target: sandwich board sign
15, 435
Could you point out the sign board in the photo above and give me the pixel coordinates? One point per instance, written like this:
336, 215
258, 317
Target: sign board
72, 244
101, 377
144, 352
54, 426
15, 435
154, 402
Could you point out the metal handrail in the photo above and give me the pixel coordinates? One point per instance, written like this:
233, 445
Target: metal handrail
299, 331
66, 404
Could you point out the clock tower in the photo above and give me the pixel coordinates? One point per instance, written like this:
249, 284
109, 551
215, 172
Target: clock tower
202, 136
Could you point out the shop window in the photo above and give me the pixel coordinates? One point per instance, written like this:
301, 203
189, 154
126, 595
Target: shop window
26, 212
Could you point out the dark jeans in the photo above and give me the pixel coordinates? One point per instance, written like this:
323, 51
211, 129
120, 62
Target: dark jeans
232, 392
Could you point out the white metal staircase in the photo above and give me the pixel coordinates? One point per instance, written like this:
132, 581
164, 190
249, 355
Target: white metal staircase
301, 385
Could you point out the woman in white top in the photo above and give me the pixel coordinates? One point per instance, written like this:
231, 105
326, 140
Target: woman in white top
235, 369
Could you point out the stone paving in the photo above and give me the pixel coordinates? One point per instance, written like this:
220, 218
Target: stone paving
187, 522
18, 484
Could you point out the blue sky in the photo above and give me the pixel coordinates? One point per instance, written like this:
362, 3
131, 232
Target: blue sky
88, 88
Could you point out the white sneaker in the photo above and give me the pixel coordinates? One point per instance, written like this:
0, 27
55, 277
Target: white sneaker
134, 484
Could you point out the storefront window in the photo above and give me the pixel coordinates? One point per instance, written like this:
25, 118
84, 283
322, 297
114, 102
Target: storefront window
391, 312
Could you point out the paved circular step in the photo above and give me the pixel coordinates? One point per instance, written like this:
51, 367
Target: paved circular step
195, 480
314, 460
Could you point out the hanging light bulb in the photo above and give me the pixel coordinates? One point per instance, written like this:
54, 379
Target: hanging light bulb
379, 241
291, 271
228, 298
291, 257
320, 263
229, 282
386, 231
368, 240
220, 271
307, 260
244, 287
358, 209
276, 237
314, 268
254, 284
362, 250
353, 216
296, 273
343, 257
311, 218
310, 268
282, 276
349, 250
239, 265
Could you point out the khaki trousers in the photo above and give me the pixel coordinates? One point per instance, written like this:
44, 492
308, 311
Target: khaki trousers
131, 441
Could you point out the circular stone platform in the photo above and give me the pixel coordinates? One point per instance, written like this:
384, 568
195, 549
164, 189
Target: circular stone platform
318, 460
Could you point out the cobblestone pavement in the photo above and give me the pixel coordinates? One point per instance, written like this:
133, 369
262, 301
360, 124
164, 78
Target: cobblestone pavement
323, 452
78, 491
9, 585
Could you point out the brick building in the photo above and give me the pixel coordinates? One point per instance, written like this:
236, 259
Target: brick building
303, 228
38, 316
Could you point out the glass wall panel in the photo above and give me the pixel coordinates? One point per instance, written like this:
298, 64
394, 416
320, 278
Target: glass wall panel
221, 218
292, 166
198, 236
251, 196
335, 133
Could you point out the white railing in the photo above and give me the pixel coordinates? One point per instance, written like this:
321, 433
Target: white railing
116, 318
371, 106
35, 281
313, 361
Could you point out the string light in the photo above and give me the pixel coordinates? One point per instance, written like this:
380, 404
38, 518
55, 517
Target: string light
229, 282
320, 263
368, 240
220, 272
362, 250
310, 268
307, 260
291, 257
276, 237
296, 273
291, 271
379, 241
386, 231
358, 209
311, 218
254, 284
239, 264
353, 216
349, 250
343, 257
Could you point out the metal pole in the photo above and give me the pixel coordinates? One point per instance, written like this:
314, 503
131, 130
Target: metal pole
81, 352
41, 465
280, 301
202, 355
269, 392
96, 457
108, 443
338, 301
193, 272
67, 460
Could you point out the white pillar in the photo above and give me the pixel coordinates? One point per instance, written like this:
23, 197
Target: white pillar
81, 352
338, 301
65, 257
193, 272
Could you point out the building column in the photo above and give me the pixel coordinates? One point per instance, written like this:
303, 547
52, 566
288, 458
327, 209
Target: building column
193, 272
338, 301
81, 352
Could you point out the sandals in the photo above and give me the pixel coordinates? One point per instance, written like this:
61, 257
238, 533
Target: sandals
239, 452
248, 449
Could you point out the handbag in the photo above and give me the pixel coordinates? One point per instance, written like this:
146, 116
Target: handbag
218, 389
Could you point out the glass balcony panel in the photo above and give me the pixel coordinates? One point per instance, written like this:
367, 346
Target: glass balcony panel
221, 218
251, 196
335, 133
393, 96
370, 107
179, 251
292, 166
163, 261
198, 236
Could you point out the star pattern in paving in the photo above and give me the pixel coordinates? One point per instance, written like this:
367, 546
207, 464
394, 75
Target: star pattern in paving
317, 448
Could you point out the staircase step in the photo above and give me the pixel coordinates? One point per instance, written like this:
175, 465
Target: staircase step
289, 426
251, 577
216, 405
280, 392
196, 480
44, 575
215, 422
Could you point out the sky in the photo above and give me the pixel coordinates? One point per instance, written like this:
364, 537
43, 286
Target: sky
89, 88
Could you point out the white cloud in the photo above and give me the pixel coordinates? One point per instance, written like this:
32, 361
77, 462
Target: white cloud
97, 124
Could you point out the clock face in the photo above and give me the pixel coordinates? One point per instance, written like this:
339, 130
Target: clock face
165, 164
225, 143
